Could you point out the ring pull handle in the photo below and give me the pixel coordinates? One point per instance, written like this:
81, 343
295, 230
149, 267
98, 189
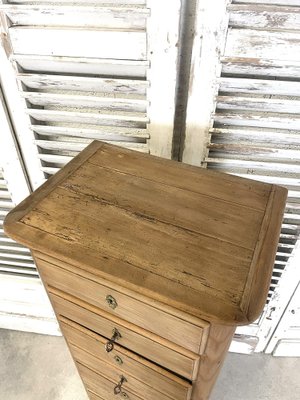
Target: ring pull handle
116, 335
118, 387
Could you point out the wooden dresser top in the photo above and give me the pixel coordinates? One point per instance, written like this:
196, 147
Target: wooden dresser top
198, 240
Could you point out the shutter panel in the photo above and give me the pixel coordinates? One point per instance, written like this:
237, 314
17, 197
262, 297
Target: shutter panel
85, 70
256, 126
15, 259
95, 70
286, 339
23, 301
252, 128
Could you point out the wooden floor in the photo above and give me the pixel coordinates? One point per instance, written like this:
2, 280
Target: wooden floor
39, 367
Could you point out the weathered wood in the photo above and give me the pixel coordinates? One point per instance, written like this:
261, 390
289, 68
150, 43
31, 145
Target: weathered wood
83, 66
259, 86
133, 120
22, 133
101, 386
99, 133
260, 66
94, 396
162, 53
132, 363
133, 383
134, 338
209, 43
272, 2
261, 120
79, 42
258, 104
255, 152
77, 146
139, 313
264, 16
80, 16
261, 137
250, 43
163, 267
264, 257
218, 343
81, 102
147, 300
100, 2
84, 84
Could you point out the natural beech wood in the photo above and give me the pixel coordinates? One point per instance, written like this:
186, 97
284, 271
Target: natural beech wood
82, 271
212, 237
132, 364
154, 348
100, 385
165, 325
93, 396
186, 253
211, 362
146, 388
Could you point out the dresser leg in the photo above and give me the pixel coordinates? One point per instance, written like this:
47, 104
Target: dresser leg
219, 339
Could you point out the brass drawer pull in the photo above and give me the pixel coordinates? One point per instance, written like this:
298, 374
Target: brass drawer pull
111, 301
109, 346
118, 387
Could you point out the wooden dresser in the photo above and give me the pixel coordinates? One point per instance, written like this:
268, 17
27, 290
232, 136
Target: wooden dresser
150, 265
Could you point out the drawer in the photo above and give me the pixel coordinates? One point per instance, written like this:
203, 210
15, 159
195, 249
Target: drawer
159, 350
102, 387
176, 328
145, 377
93, 396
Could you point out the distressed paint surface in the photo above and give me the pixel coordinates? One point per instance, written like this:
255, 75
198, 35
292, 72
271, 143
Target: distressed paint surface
210, 32
256, 130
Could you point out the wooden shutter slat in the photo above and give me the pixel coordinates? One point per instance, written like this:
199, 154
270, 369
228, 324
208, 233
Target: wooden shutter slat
85, 84
250, 43
264, 16
82, 65
79, 42
102, 132
103, 103
80, 16
259, 86
88, 118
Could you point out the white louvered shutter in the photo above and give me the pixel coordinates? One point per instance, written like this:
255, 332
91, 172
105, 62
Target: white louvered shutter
95, 70
14, 258
251, 126
23, 302
286, 339
85, 70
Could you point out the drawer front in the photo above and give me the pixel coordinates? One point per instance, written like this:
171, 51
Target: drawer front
132, 384
146, 378
136, 339
189, 335
102, 387
93, 396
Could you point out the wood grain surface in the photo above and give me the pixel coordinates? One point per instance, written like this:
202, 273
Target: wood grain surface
101, 386
217, 347
196, 240
155, 320
131, 364
150, 346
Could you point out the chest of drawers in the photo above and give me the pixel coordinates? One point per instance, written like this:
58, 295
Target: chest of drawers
150, 265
